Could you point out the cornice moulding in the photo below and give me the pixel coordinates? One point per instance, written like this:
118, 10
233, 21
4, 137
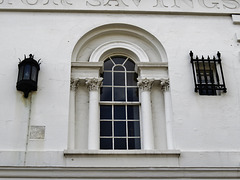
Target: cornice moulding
112, 173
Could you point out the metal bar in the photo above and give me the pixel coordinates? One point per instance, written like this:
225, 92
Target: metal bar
199, 74
215, 65
205, 75
194, 74
211, 75
220, 64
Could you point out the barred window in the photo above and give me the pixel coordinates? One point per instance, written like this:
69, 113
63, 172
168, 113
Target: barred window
208, 75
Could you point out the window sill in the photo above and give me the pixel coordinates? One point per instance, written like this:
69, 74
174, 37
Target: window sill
124, 158
123, 152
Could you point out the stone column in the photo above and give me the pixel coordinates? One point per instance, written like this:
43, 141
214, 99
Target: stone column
72, 112
145, 86
94, 123
168, 111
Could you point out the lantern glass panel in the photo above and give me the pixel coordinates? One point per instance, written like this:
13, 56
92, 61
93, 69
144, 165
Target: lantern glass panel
20, 75
34, 73
27, 72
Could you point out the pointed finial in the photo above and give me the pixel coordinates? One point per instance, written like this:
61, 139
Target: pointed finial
191, 54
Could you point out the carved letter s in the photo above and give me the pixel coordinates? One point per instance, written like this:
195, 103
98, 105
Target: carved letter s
231, 4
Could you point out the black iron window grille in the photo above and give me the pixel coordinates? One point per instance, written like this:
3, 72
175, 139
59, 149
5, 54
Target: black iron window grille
208, 75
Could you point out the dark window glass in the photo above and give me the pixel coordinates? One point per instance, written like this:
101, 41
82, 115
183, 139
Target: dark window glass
132, 94
27, 72
133, 112
119, 94
131, 79
106, 128
206, 82
119, 78
108, 64
106, 143
130, 65
120, 128
119, 112
120, 143
133, 128
107, 78
105, 112
119, 68
118, 59
119, 121
106, 94
134, 143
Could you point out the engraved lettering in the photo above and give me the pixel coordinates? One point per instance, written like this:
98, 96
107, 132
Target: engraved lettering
116, 2
45, 3
212, 4
188, 2
93, 3
137, 2
231, 4
62, 2
175, 4
2, 1
32, 2
160, 3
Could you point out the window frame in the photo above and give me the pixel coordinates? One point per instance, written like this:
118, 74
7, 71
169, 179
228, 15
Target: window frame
124, 103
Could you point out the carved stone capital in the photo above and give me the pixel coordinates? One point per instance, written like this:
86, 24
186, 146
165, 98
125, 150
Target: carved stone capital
93, 83
164, 83
145, 84
74, 83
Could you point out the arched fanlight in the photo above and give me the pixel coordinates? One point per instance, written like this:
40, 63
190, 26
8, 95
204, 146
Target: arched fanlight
28, 75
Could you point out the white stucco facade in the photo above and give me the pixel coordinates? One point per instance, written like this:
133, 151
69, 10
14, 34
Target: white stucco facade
54, 133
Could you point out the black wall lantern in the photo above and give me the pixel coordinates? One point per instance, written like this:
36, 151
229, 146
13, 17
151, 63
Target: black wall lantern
28, 75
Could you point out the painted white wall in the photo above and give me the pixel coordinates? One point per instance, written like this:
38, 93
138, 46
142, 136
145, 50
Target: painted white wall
201, 123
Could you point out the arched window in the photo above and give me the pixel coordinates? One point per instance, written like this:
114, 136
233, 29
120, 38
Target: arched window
119, 105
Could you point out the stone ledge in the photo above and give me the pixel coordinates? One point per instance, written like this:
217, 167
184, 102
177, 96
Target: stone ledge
113, 173
119, 152
236, 19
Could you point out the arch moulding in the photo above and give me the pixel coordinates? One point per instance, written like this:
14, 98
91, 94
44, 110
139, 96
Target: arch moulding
107, 49
121, 38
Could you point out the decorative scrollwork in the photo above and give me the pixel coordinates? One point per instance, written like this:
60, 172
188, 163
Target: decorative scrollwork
164, 83
145, 84
93, 83
74, 84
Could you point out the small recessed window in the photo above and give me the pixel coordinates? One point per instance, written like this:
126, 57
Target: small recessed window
208, 75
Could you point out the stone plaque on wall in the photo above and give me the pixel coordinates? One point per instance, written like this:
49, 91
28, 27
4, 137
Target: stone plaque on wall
37, 132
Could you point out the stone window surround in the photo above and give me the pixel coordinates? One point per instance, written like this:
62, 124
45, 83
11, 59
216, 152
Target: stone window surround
145, 85
144, 68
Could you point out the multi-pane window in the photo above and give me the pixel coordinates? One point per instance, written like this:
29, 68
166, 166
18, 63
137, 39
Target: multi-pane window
119, 105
